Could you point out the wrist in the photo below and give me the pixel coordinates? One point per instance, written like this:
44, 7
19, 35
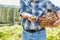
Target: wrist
37, 18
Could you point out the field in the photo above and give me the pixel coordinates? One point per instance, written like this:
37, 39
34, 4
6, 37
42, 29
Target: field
14, 32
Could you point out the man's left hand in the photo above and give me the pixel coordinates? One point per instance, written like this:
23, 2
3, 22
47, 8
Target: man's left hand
56, 23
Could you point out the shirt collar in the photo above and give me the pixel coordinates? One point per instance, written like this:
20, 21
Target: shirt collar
37, 1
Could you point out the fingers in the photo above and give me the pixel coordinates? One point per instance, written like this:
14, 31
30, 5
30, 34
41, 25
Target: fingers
56, 23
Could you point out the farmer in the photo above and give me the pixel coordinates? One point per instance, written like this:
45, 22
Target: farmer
32, 9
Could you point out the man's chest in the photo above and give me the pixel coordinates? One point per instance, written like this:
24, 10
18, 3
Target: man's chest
36, 8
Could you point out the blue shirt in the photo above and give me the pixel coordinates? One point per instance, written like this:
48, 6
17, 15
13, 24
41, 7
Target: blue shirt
36, 9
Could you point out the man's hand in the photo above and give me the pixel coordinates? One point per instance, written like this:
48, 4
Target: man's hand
33, 18
56, 23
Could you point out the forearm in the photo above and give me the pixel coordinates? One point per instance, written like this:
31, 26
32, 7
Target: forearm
29, 17
58, 14
25, 15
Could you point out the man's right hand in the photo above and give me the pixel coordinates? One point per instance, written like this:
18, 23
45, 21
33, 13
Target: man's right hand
33, 18
29, 17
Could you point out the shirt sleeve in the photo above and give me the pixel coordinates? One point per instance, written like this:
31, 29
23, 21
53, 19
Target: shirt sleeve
22, 6
53, 6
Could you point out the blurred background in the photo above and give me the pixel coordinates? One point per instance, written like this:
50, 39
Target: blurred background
10, 28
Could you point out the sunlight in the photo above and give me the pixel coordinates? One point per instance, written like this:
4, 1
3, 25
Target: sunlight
10, 2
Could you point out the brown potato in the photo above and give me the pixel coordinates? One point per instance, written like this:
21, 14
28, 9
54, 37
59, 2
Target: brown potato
33, 18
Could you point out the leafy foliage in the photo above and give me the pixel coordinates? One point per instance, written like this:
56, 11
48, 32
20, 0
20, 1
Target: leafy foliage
14, 32
10, 32
53, 33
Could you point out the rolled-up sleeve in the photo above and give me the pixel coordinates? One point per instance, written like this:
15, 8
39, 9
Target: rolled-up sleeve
22, 6
53, 6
